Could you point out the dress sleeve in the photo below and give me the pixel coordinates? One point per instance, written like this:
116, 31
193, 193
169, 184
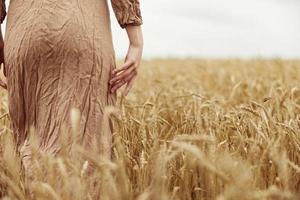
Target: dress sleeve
127, 12
3, 11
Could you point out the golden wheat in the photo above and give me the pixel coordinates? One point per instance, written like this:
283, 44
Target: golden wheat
190, 129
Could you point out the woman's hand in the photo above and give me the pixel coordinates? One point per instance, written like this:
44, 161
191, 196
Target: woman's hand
127, 73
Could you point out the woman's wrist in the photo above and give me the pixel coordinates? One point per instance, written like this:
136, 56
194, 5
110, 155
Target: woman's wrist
135, 35
137, 44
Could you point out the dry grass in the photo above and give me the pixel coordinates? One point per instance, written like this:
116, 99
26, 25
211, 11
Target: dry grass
190, 129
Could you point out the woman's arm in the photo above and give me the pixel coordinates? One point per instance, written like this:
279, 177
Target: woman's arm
129, 16
2, 83
128, 72
2, 17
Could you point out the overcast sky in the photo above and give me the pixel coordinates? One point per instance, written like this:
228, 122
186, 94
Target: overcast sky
218, 28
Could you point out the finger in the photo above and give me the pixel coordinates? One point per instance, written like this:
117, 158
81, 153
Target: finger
3, 85
122, 82
125, 66
129, 86
122, 75
117, 86
124, 78
4, 70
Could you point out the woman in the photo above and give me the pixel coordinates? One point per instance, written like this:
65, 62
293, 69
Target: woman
59, 55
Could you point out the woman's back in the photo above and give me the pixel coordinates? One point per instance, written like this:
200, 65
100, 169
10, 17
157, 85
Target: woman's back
47, 25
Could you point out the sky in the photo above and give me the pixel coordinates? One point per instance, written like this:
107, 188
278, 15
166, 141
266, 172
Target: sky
216, 29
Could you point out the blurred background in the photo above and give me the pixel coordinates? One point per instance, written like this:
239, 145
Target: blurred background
217, 29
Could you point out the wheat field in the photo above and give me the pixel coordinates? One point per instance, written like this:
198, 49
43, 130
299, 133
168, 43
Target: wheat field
190, 129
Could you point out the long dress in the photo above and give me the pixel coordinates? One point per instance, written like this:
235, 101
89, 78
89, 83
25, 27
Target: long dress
58, 55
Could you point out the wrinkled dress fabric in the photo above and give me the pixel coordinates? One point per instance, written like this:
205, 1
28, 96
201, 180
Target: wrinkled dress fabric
59, 55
